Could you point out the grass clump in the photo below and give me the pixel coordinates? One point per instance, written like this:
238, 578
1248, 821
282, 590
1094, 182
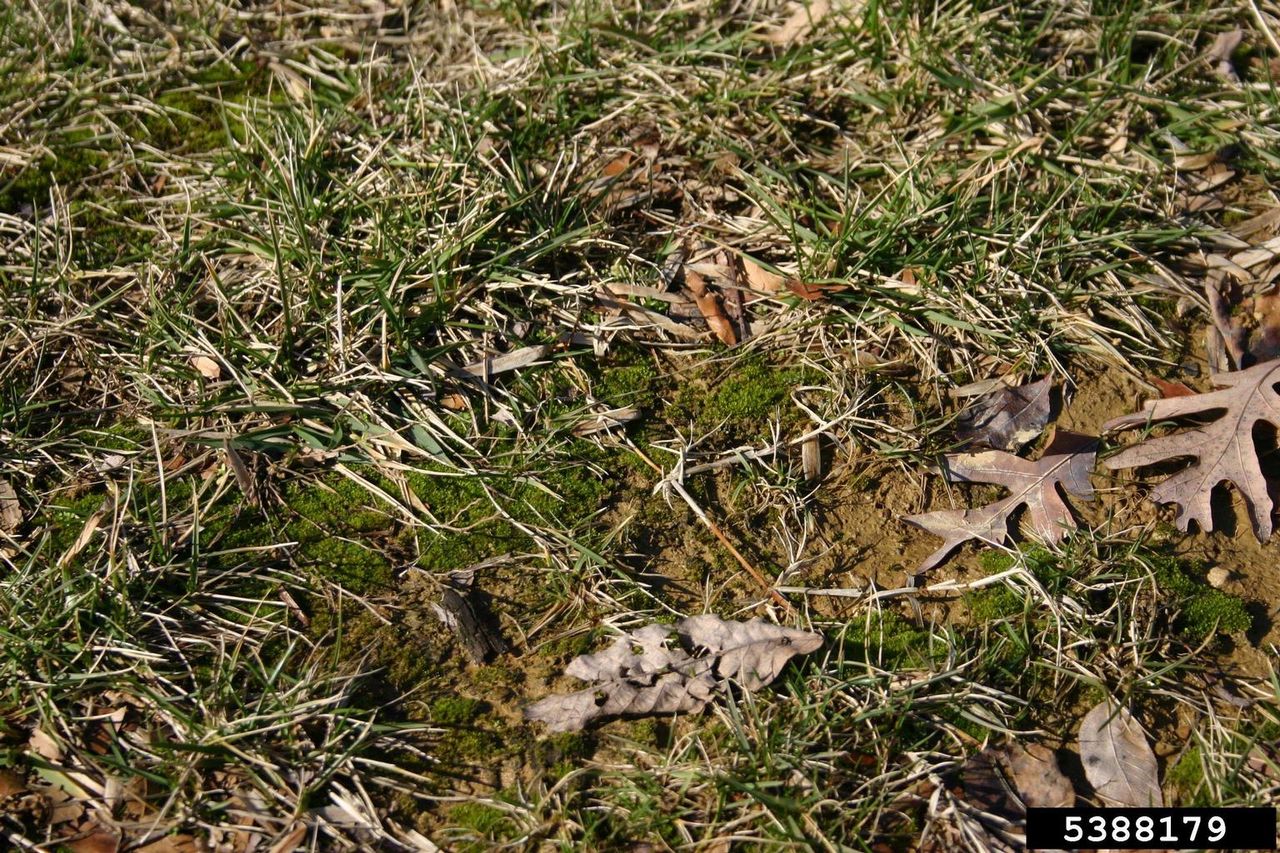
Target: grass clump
342, 209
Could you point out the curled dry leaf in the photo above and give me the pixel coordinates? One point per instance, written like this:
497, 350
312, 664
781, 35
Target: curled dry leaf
751, 653
1066, 463
1007, 418
1117, 760
645, 673
708, 302
1222, 450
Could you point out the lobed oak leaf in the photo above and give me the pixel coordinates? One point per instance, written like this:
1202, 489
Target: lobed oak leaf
1066, 463
1007, 418
751, 653
644, 673
1223, 450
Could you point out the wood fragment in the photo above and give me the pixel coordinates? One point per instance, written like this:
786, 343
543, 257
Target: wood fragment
811, 458
602, 421
724, 540
514, 360
466, 617
10, 509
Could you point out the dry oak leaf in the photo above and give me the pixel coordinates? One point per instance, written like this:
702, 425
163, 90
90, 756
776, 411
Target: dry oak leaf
1117, 760
1066, 463
1007, 418
643, 673
1223, 449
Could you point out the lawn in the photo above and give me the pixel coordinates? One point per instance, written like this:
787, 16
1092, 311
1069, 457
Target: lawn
318, 316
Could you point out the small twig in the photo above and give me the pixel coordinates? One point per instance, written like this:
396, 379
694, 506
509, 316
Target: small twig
724, 540
946, 587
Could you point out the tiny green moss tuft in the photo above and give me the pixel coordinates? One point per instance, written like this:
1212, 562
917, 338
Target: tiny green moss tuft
480, 818
456, 710
1186, 778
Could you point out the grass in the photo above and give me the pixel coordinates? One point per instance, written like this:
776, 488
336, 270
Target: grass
250, 252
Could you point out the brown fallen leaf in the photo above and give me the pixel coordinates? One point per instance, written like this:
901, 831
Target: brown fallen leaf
1198, 190
1169, 389
1036, 776
45, 746
1066, 463
617, 165
1006, 780
804, 17
97, 840
813, 292
708, 302
1117, 760
207, 367
1006, 418
11, 783
1244, 309
1223, 450
760, 279
454, 402
644, 673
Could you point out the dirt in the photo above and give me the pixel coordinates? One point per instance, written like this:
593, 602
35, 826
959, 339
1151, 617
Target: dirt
858, 540
866, 542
